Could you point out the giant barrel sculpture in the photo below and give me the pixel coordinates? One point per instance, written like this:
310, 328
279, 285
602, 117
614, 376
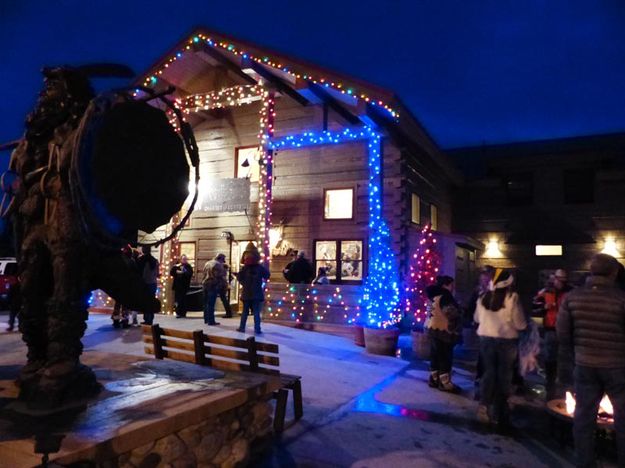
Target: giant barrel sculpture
130, 168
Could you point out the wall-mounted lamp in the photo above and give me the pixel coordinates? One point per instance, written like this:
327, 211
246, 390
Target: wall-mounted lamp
492, 249
610, 248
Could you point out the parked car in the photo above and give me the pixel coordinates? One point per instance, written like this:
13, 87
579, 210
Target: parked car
8, 278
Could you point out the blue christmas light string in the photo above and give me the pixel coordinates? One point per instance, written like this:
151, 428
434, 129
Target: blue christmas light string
380, 298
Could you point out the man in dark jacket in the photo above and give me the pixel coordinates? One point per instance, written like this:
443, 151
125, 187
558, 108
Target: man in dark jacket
591, 333
300, 270
546, 305
182, 274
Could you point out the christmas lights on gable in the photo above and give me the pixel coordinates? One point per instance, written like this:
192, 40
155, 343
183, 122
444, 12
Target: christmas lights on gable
152, 80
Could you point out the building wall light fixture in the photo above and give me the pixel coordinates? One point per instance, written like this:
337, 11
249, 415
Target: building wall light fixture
492, 249
610, 247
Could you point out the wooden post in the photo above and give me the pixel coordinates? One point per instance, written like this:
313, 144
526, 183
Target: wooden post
158, 345
252, 353
198, 347
265, 180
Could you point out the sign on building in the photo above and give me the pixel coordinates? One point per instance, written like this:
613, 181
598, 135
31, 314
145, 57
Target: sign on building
224, 195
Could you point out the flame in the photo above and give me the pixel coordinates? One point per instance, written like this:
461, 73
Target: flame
570, 403
605, 406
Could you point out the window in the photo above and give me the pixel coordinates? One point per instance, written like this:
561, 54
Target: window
520, 189
434, 217
415, 209
343, 259
579, 186
548, 250
338, 203
247, 163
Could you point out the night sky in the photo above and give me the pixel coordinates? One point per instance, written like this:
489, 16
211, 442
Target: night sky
472, 72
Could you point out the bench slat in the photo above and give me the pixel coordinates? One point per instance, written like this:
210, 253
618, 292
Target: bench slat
267, 347
187, 335
225, 341
269, 360
228, 353
171, 343
168, 353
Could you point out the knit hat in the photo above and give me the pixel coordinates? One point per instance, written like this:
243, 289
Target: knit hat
501, 279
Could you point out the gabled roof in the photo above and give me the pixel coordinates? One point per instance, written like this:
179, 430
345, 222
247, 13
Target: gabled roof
353, 99
289, 68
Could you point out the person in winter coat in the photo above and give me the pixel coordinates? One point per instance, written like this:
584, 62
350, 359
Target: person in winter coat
182, 274
149, 270
500, 318
322, 277
486, 275
546, 305
215, 285
300, 270
252, 277
591, 334
444, 326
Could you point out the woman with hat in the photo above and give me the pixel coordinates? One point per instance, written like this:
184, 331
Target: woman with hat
252, 277
500, 318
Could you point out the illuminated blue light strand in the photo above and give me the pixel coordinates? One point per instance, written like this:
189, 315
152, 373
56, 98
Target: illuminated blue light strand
381, 287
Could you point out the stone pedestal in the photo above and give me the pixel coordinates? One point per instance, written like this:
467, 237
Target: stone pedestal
150, 413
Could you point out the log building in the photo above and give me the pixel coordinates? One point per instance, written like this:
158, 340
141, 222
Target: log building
288, 160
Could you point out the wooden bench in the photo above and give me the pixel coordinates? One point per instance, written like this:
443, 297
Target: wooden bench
230, 354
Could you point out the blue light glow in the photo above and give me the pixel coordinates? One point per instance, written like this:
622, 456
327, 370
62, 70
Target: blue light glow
381, 287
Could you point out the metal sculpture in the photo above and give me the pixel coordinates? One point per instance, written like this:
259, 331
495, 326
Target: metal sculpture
87, 175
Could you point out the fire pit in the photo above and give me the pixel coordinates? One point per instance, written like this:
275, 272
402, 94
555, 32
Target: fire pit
563, 409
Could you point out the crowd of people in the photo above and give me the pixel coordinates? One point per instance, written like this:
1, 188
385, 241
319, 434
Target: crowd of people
581, 340
148, 267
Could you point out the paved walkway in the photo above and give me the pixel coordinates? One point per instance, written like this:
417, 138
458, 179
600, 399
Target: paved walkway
362, 410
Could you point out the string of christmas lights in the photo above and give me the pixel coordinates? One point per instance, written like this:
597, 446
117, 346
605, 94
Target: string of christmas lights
295, 301
265, 179
234, 96
201, 38
424, 268
381, 288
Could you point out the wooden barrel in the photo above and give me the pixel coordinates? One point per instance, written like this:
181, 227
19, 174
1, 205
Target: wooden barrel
132, 168
359, 335
381, 341
421, 344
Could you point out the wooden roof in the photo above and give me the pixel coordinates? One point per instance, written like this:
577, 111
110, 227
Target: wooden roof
207, 60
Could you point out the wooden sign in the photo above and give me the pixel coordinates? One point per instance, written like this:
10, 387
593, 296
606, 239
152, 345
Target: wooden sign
225, 195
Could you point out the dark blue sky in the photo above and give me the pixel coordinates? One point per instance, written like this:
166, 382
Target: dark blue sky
472, 72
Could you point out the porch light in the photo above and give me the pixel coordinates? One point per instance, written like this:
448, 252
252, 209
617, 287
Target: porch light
492, 249
275, 236
609, 247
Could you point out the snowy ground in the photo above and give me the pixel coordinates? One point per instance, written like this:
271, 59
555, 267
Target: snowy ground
362, 410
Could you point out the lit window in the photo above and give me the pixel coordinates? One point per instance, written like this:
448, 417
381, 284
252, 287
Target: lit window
247, 166
416, 209
338, 204
549, 250
342, 260
434, 217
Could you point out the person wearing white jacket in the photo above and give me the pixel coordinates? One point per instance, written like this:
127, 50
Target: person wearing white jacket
500, 318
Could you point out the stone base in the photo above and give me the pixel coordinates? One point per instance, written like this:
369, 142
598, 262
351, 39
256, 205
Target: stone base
150, 413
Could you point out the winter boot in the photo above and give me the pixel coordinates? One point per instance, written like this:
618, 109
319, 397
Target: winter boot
482, 414
446, 385
433, 381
